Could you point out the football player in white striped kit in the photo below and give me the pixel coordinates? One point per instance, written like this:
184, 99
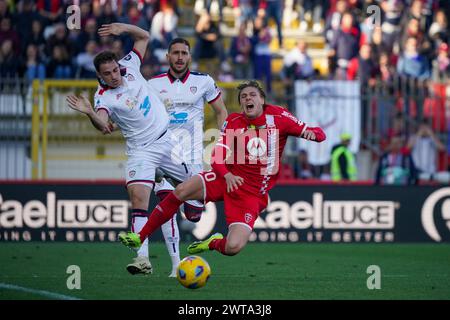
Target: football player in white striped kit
124, 100
184, 94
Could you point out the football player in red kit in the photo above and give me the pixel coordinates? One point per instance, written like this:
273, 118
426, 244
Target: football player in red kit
245, 163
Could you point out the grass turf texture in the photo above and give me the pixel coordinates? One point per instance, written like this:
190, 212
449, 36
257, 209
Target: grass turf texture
261, 271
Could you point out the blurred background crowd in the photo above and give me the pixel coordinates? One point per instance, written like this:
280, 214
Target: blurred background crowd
397, 49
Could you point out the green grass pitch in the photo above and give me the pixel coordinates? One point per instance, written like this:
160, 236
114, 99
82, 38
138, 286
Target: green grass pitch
261, 271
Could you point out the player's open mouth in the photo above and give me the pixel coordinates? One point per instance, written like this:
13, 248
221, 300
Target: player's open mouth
249, 107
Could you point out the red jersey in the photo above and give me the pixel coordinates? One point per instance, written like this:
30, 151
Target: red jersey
255, 146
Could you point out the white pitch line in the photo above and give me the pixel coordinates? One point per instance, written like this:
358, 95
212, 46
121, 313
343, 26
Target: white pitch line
44, 293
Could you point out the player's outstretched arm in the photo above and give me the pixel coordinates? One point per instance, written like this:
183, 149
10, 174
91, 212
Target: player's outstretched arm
99, 119
140, 36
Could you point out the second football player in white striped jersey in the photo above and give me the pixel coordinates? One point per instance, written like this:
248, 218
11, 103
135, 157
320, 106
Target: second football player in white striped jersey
184, 94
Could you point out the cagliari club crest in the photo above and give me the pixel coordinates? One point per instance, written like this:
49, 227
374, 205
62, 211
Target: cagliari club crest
193, 89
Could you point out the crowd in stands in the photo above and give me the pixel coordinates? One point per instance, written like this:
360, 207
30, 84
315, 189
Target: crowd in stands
410, 38
404, 38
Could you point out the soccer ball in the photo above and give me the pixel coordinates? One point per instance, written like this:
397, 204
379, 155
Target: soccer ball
193, 272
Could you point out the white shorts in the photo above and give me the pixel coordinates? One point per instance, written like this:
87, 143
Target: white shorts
163, 153
164, 185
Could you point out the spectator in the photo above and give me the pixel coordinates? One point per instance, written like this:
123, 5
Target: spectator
424, 147
273, 9
415, 11
208, 44
23, 21
297, 65
391, 25
302, 167
333, 22
363, 67
163, 29
85, 13
396, 167
88, 33
8, 33
244, 11
262, 55
343, 164
240, 53
386, 72
208, 6
52, 11
108, 15
412, 64
59, 66
117, 48
439, 29
413, 30
378, 46
345, 45
441, 65
332, 26
85, 61
9, 61
37, 36
312, 10
4, 10
34, 68
59, 38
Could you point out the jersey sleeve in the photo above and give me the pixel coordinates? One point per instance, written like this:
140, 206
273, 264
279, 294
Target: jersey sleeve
99, 103
294, 127
212, 92
132, 60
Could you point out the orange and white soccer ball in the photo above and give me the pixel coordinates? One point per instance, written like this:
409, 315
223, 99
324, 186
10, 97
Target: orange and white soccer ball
193, 272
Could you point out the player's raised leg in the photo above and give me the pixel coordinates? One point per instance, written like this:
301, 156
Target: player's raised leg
163, 212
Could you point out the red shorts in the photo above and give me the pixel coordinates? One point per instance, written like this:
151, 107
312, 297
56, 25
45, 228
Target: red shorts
240, 206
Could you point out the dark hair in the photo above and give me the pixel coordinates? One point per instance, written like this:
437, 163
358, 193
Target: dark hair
104, 57
179, 40
250, 83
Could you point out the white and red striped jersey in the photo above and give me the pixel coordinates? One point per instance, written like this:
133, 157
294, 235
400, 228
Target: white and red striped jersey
256, 146
185, 100
133, 106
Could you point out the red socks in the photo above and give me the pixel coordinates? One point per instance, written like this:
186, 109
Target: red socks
162, 213
218, 245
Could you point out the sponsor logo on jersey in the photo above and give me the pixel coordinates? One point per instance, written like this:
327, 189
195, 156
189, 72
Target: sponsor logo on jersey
256, 147
179, 117
131, 102
168, 103
193, 89
290, 116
